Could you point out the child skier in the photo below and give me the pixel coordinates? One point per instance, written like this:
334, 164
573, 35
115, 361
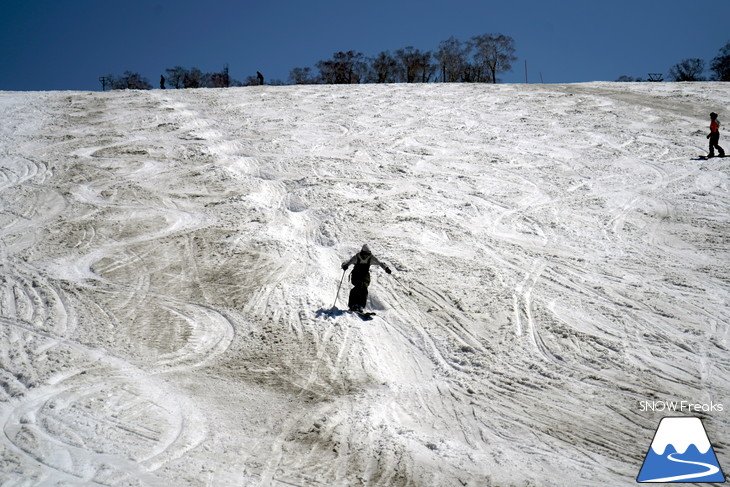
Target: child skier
360, 277
714, 136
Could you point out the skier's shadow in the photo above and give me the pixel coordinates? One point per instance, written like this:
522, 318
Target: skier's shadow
333, 312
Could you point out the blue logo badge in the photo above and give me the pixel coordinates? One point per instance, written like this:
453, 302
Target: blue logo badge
680, 452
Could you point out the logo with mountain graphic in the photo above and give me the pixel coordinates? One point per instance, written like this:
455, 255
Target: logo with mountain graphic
680, 452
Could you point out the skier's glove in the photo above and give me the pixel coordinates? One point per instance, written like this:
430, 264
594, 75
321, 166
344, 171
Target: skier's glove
344, 267
708, 135
387, 270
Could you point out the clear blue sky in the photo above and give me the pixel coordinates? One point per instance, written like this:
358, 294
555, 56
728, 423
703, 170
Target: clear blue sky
67, 45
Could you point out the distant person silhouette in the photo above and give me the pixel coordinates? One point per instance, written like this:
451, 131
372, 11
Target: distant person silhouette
260, 77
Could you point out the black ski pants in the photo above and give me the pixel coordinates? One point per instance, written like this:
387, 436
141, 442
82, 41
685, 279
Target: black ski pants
714, 143
359, 293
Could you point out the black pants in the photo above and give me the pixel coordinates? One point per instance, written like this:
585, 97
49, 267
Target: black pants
358, 297
714, 139
359, 293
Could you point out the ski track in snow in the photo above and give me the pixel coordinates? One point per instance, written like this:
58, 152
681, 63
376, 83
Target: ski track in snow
170, 258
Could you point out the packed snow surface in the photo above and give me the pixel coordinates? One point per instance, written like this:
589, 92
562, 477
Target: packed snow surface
170, 261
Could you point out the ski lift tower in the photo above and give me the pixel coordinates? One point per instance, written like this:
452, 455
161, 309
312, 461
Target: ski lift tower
105, 80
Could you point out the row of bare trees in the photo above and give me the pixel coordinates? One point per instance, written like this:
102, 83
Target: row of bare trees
481, 59
179, 77
127, 81
692, 69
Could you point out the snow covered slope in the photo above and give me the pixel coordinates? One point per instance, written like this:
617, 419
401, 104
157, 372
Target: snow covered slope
170, 259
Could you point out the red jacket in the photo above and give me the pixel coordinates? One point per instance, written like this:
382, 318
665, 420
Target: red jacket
714, 126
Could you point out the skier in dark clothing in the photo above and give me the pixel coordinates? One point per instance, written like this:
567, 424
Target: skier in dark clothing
714, 136
360, 277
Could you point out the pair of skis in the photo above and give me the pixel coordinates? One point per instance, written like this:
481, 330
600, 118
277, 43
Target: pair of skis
364, 315
335, 312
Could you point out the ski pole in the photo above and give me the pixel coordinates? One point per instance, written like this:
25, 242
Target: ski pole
338, 288
404, 286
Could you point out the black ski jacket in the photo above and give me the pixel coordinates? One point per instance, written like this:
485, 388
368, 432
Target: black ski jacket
361, 271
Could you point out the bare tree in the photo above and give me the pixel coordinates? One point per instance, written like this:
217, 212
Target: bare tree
180, 77
416, 65
384, 68
175, 76
688, 70
195, 78
627, 79
301, 76
451, 56
474, 73
495, 52
344, 68
219, 80
721, 64
130, 81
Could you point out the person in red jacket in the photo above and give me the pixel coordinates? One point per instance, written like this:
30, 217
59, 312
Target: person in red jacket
714, 136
